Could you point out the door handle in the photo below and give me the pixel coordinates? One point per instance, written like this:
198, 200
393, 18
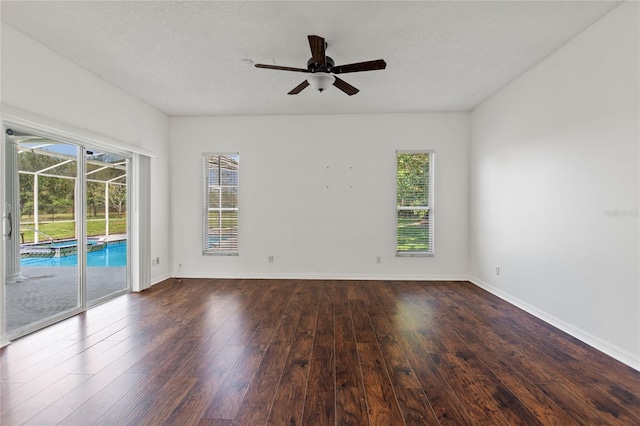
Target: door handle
8, 226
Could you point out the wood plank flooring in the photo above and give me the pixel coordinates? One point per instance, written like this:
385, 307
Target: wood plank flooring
287, 352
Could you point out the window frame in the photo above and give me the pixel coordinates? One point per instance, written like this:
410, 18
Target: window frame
207, 250
429, 207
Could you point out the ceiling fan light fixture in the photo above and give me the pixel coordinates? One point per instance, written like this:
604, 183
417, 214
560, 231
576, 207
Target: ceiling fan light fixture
321, 80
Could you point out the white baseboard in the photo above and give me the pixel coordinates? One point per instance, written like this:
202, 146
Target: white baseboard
603, 346
159, 279
347, 277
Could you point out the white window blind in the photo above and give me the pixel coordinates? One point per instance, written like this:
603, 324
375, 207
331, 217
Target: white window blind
220, 230
414, 183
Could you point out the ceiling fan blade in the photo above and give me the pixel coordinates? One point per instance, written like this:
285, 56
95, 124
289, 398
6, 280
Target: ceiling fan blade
345, 87
317, 45
298, 88
281, 68
378, 64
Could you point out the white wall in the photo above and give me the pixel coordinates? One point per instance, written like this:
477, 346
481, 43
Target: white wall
553, 155
318, 193
42, 82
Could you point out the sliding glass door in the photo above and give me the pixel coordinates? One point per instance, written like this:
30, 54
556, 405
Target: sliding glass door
106, 224
65, 247
42, 183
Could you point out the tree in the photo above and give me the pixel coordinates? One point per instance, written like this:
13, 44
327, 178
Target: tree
26, 195
118, 198
95, 197
56, 194
413, 168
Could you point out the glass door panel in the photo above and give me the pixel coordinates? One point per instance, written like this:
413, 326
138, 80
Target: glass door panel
42, 274
106, 224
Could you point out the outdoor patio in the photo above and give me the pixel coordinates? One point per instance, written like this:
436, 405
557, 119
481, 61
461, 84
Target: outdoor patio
48, 291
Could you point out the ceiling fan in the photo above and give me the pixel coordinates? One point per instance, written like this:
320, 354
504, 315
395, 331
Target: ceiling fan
323, 70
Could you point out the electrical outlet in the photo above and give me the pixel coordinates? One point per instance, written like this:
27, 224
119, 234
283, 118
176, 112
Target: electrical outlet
157, 260
378, 259
272, 258
497, 270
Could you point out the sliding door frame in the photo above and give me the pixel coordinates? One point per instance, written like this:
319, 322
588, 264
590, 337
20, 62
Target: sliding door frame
138, 272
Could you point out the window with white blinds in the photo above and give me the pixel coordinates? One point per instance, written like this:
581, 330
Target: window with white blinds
220, 229
414, 203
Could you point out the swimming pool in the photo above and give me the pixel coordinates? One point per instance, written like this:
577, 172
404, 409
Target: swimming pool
113, 255
58, 248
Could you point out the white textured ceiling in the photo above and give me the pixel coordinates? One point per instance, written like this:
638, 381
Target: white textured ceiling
184, 57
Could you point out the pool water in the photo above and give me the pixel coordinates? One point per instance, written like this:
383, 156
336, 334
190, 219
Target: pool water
113, 255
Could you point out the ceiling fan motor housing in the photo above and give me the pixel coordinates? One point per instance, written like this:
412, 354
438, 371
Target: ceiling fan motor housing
319, 66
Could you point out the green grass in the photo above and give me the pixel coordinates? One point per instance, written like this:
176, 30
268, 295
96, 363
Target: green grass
64, 216
98, 227
412, 235
227, 220
66, 230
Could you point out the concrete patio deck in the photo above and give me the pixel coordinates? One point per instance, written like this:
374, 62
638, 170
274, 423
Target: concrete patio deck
48, 291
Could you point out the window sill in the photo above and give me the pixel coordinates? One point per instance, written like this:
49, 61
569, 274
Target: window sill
414, 254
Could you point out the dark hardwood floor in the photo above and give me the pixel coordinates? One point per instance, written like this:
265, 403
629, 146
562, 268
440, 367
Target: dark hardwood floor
286, 352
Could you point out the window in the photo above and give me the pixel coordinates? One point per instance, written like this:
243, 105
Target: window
220, 228
414, 182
